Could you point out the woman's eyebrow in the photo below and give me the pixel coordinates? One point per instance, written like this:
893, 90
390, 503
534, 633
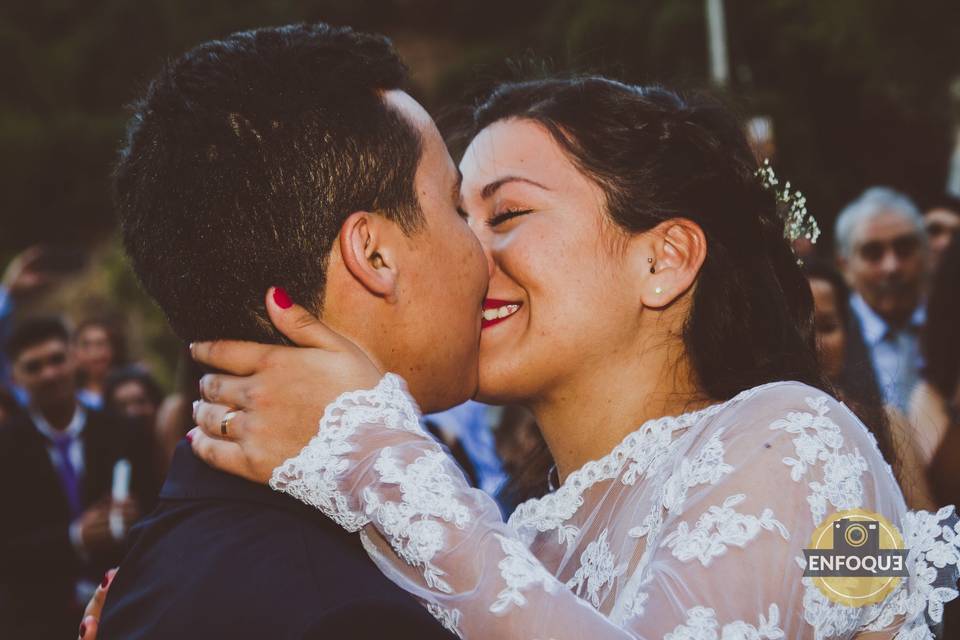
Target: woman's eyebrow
492, 188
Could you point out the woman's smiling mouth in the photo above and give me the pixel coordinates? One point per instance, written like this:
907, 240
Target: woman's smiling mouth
495, 311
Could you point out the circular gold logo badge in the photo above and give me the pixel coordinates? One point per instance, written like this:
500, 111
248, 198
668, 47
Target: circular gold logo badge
856, 557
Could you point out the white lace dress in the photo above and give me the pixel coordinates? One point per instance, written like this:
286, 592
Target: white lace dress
692, 527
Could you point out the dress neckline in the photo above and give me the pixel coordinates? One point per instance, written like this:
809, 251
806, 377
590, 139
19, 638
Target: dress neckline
554, 508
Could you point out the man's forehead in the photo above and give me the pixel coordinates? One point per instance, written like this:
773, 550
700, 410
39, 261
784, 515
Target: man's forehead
410, 108
40, 349
885, 225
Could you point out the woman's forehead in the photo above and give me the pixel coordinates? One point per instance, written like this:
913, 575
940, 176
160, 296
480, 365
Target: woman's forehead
513, 148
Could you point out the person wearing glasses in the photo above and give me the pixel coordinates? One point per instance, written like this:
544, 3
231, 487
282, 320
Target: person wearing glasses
61, 528
883, 252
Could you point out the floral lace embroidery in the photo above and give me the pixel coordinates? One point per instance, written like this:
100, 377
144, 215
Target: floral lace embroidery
641, 448
706, 467
428, 493
819, 440
717, 528
519, 570
311, 476
598, 569
426, 506
449, 618
933, 552
931, 545
701, 624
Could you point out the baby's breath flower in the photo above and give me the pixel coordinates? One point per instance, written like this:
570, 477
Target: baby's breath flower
797, 223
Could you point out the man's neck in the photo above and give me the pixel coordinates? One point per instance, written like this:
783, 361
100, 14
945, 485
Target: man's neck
59, 416
894, 320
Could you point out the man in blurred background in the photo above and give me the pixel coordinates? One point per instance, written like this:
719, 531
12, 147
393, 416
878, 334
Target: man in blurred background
57, 466
882, 251
23, 277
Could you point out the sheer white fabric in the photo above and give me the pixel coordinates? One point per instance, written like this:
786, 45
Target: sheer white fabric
692, 527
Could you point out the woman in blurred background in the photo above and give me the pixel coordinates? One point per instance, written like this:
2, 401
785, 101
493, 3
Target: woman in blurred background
131, 392
98, 346
831, 302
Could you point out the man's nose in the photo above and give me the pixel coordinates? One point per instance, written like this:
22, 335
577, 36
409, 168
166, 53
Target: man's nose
890, 263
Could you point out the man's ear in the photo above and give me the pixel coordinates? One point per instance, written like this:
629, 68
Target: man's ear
368, 252
675, 255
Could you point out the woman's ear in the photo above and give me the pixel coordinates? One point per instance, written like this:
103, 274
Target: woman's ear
676, 253
368, 254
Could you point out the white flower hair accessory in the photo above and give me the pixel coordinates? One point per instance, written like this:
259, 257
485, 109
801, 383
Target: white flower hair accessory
797, 221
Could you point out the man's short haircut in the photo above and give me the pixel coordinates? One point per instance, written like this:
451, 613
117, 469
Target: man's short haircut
870, 203
243, 160
34, 331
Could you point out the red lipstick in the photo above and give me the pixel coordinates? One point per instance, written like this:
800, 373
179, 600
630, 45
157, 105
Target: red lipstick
493, 303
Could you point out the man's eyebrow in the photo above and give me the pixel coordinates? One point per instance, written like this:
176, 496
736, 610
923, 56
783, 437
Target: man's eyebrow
492, 188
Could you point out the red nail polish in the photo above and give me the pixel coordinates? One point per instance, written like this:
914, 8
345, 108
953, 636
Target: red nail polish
189, 438
105, 581
281, 298
83, 630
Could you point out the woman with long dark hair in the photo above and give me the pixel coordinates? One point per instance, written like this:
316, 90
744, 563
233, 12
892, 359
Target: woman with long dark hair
100, 346
831, 304
647, 308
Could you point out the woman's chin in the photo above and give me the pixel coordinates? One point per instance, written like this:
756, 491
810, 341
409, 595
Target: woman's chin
496, 388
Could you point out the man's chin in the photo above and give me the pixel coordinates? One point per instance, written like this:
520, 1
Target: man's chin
433, 401
496, 395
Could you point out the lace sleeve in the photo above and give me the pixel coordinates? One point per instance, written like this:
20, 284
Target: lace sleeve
425, 527
715, 553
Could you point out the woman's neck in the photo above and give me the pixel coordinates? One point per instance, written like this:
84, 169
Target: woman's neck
587, 416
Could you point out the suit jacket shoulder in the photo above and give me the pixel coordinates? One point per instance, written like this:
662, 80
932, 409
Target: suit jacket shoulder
222, 557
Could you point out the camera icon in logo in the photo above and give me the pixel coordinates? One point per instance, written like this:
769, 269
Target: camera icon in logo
856, 537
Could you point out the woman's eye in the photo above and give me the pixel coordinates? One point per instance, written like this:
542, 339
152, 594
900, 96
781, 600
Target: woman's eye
509, 214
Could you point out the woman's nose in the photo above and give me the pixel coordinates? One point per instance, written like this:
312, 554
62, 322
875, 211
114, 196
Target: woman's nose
488, 256
485, 238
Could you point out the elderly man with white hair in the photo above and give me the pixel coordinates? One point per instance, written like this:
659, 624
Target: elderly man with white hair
882, 250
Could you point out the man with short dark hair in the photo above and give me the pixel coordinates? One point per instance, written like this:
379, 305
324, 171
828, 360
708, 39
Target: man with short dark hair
57, 462
289, 157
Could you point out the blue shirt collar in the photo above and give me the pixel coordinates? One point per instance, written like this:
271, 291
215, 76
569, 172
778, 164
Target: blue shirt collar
874, 327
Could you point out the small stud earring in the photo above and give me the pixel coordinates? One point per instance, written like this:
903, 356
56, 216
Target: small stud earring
650, 260
658, 291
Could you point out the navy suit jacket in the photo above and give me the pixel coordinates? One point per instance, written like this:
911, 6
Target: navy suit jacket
222, 557
38, 565
858, 379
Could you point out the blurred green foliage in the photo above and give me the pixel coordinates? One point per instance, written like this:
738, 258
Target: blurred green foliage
858, 89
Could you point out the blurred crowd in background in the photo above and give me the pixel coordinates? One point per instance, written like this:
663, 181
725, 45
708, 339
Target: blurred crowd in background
858, 103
